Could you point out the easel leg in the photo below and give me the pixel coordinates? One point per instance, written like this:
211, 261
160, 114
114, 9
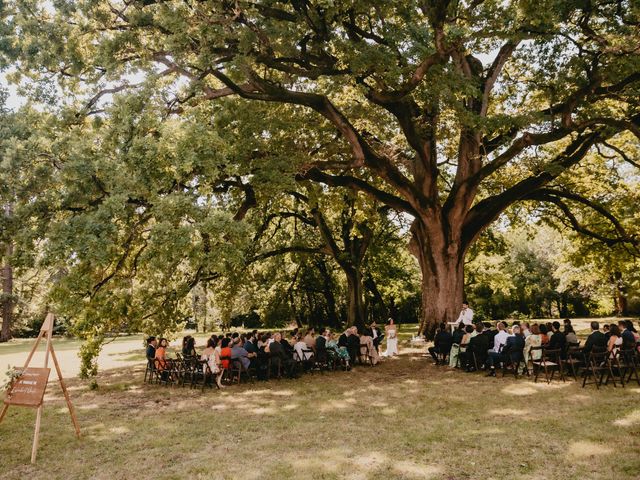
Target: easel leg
66, 394
4, 412
36, 435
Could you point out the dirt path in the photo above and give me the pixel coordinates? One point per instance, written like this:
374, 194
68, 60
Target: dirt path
121, 353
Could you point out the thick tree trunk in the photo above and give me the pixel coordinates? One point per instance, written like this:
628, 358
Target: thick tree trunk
442, 292
442, 266
7, 291
356, 311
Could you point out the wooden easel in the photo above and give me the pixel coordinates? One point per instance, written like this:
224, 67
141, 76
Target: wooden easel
45, 330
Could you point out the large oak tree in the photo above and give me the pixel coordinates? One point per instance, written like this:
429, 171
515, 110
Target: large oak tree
448, 111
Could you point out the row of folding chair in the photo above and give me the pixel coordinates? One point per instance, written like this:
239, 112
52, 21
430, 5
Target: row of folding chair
180, 372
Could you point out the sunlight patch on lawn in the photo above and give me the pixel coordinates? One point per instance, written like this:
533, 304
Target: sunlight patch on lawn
628, 420
290, 406
415, 470
263, 411
371, 460
389, 411
521, 413
119, 430
519, 390
333, 405
584, 449
90, 406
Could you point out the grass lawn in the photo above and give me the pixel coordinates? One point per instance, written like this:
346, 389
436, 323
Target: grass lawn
403, 419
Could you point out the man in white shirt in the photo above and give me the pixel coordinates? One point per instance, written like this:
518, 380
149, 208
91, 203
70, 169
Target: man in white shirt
501, 337
466, 315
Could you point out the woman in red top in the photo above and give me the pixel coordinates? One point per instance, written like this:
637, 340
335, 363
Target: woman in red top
161, 354
225, 353
544, 338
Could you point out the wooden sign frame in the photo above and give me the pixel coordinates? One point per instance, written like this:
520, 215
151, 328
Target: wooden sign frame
45, 331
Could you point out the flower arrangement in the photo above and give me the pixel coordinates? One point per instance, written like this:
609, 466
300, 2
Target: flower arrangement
12, 374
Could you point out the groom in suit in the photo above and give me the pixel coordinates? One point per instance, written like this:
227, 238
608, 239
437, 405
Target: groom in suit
374, 332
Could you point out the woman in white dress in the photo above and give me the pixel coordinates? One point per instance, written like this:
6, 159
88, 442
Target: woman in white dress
392, 339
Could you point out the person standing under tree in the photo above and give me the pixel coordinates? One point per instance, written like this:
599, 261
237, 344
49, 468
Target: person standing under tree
392, 339
466, 315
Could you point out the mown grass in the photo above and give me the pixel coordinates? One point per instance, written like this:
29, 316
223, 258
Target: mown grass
404, 418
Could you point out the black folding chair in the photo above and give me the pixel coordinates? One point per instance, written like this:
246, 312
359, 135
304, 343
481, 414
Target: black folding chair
462, 348
512, 362
150, 373
595, 368
574, 360
550, 361
628, 360
237, 370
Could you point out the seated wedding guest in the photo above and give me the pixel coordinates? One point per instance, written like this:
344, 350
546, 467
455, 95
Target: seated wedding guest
550, 330
342, 340
628, 338
152, 344
441, 343
596, 341
321, 340
557, 341
570, 334
526, 329
161, 354
500, 338
189, 346
458, 333
605, 330
353, 344
632, 328
511, 351
374, 332
212, 356
533, 340
310, 338
478, 347
239, 353
250, 344
277, 353
338, 352
457, 340
544, 334
489, 332
321, 346
615, 340
371, 349
302, 350
225, 352
286, 345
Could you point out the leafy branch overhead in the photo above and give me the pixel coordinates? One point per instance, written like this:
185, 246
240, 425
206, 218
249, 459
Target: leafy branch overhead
447, 112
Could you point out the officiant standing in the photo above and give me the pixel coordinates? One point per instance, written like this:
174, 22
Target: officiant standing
466, 315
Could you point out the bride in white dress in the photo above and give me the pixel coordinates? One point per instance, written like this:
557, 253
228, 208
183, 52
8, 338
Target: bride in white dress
392, 339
